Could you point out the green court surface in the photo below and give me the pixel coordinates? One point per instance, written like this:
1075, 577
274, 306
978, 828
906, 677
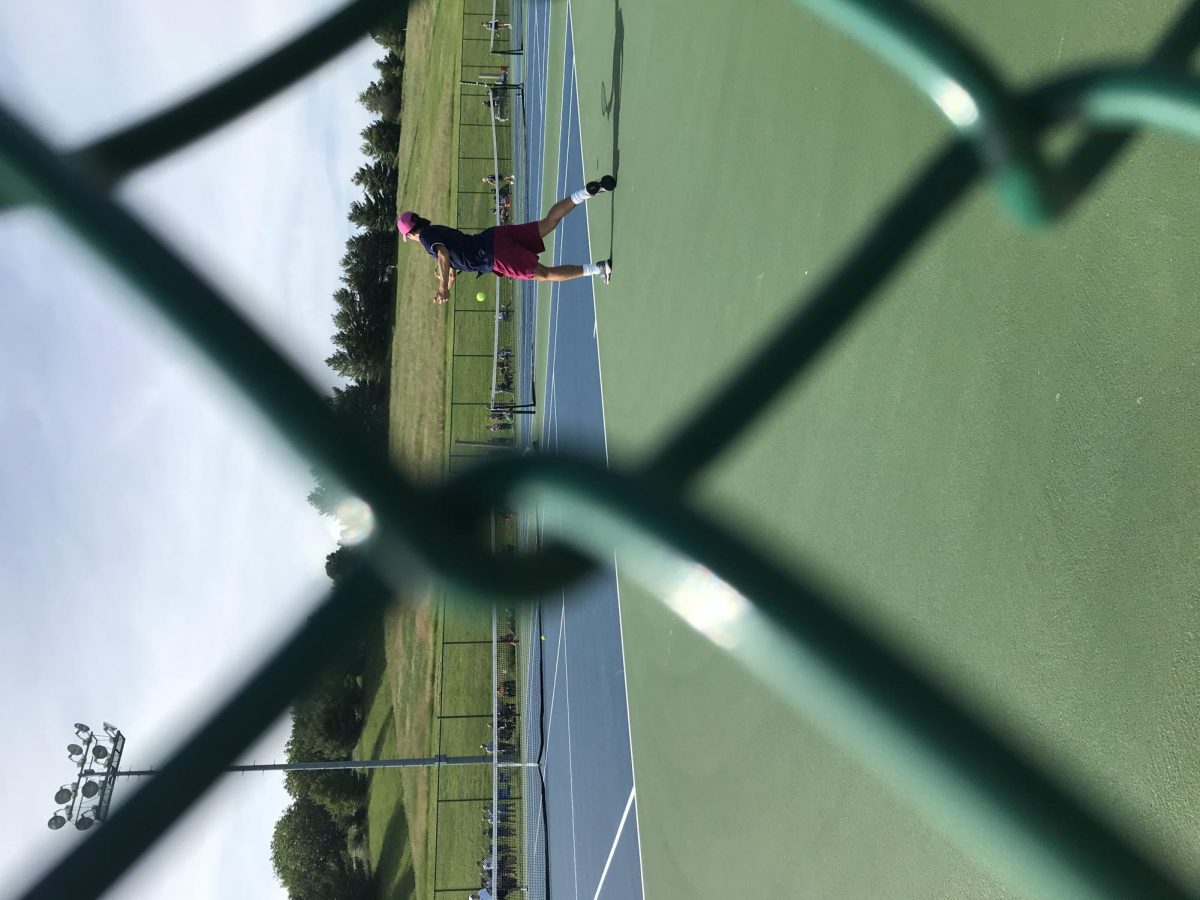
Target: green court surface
994, 466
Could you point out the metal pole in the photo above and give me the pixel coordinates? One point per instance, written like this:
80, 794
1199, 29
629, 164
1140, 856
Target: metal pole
336, 764
495, 739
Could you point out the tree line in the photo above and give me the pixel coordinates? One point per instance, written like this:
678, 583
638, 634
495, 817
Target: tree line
318, 845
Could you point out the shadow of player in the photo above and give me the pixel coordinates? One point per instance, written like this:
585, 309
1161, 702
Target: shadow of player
610, 102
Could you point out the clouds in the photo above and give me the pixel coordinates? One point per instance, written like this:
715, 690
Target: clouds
154, 537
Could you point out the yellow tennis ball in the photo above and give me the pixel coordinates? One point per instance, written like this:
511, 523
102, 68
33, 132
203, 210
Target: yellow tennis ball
481, 296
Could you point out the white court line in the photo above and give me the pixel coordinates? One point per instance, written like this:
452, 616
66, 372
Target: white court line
541, 29
562, 624
637, 824
571, 85
556, 287
613, 849
570, 763
553, 337
637, 819
551, 417
555, 302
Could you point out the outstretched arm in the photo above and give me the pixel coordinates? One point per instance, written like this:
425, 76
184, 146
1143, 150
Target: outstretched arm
445, 275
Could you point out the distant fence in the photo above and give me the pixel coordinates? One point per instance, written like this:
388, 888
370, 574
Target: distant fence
485, 820
490, 387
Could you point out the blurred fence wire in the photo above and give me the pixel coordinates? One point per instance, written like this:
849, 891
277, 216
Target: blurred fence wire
792, 634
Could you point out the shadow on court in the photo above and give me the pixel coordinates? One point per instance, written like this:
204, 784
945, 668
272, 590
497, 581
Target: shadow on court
610, 105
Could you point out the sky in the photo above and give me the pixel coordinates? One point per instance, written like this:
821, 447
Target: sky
154, 537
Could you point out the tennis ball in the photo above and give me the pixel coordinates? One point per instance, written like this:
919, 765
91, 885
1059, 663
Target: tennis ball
481, 296
543, 637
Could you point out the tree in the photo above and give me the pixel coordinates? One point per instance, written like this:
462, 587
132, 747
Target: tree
375, 212
366, 404
369, 256
390, 33
307, 848
339, 563
327, 719
342, 793
377, 177
357, 326
326, 494
350, 366
382, 99
391, 67
381, 140
370, 347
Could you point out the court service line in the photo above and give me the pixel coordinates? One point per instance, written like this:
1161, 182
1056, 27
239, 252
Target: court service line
539, 30
562, 625
550, 419
555, 287
563, 163
570, 760
557, 253
616, 840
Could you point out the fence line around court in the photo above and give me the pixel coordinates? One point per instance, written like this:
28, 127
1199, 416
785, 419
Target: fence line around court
488, 657
488, 393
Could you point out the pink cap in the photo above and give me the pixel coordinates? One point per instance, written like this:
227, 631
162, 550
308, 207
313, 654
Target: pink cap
405, 222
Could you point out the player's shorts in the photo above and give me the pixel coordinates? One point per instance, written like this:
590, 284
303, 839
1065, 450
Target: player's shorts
515, 250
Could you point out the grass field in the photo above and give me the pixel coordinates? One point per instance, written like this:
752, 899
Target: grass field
401, 720
995, 465
441, 357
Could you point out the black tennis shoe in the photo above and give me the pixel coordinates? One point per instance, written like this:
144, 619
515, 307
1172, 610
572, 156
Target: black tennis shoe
607, 183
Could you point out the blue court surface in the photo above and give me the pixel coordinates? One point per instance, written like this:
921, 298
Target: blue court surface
591, 802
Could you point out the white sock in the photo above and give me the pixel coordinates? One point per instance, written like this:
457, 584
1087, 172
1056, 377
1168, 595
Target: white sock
592, 269
579, 196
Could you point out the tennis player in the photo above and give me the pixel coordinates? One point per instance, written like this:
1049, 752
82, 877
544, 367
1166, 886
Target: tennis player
508, 250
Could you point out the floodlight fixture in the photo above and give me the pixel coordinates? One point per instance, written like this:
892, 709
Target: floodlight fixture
97, 759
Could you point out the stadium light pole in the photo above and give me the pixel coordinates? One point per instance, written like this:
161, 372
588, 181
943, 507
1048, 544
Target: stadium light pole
87, 799
97, 757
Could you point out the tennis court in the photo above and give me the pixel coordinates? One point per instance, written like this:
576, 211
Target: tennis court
591, 809
992, 466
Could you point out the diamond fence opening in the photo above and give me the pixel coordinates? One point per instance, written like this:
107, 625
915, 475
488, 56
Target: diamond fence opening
955, 767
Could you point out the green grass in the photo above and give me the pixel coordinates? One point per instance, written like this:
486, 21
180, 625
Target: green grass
419, 347
400, 806
464, 707
388, 840
413, 847
398, 723
995, 465
466, 669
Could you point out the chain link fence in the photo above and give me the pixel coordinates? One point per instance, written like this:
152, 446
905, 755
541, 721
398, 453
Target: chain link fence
791, 634
483, 817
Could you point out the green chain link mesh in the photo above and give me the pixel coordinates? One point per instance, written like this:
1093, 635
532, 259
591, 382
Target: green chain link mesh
791, 634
